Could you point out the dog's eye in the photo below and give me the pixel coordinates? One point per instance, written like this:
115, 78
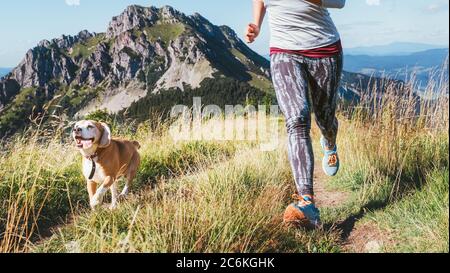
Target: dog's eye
90, 127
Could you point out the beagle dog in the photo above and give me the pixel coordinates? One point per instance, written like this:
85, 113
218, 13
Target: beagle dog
105, 160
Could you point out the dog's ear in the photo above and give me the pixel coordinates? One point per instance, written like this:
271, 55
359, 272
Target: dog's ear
105, 139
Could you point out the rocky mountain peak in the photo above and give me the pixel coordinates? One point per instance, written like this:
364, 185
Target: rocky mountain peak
133, 17
170, 14
145, 50
137, 38
84, 35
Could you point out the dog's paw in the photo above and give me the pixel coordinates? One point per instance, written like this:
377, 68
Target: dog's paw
95, 202
97, 199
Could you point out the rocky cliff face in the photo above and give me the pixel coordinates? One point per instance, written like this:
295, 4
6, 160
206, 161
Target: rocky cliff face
159, 48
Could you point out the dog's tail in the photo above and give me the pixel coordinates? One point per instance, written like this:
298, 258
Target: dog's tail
135, 143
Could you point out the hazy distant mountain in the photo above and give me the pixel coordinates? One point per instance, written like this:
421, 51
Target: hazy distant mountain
397, 49
4, 71
421, 64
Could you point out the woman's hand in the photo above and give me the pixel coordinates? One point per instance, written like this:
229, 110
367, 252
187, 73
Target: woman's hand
252, 33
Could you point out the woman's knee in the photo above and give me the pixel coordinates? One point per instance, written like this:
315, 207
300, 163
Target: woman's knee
299, 126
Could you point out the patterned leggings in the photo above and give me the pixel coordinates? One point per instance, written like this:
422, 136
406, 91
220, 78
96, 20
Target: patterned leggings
298, 81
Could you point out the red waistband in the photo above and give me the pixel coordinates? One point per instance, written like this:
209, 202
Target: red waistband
321, 52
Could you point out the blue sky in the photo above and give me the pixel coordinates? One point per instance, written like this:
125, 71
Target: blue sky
361, 23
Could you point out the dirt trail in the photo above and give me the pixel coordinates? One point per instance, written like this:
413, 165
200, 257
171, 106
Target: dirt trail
324, 196
356, 238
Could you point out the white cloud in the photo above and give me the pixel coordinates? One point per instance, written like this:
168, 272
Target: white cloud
436, 7
373, 2
73, 2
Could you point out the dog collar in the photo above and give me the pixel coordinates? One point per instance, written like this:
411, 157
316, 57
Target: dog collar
94, 166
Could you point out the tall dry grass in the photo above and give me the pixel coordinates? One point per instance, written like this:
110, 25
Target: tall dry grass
41, 185
395, 150
395, 135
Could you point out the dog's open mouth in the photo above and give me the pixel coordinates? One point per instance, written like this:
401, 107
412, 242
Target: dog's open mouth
84, 143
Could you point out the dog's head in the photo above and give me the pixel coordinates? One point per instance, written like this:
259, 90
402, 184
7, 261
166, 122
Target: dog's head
90, 135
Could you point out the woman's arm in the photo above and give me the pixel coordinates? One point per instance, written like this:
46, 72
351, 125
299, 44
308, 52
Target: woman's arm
253, 29
337, 4
259, 11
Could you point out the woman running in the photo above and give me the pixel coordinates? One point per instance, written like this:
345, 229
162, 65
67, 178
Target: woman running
306, 67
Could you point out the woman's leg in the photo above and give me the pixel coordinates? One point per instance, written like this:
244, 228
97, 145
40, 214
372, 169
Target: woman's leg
324, 77
291, 87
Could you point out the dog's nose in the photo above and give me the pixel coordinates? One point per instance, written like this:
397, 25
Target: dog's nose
77, 130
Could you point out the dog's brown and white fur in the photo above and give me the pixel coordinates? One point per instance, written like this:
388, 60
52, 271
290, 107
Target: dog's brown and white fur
114, 158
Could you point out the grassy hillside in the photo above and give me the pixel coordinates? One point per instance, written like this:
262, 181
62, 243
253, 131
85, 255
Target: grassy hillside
229, 196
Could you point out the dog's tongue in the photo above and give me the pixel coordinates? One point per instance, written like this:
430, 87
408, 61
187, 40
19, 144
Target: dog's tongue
86, 143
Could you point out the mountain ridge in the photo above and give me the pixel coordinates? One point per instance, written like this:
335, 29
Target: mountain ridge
144, 53
420, 65
392, 49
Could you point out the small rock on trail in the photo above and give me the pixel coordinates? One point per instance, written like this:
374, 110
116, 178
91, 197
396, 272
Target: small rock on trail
366, 238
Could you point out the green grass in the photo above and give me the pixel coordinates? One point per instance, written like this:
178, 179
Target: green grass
419, 222
164, 32
85, 49
242, 58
